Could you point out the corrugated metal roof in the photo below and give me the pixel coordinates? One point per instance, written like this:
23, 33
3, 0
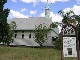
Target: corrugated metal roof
30, 23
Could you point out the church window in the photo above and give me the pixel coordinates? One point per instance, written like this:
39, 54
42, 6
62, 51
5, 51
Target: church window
22, 36
15, 35
29, 35
53, 39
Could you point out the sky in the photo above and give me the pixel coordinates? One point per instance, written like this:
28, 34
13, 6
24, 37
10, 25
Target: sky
36, 8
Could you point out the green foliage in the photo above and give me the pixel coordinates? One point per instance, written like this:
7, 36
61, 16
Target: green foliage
54, 25
77, 17
5, 34
41, 34
13, 25
68, 17
9, 35
57, 43
57, 40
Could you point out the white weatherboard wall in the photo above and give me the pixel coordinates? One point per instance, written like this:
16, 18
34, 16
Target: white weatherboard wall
69, 43
26, 40
30, 41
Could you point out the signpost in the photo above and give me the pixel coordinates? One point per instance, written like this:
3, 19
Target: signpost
69, 47
69, 42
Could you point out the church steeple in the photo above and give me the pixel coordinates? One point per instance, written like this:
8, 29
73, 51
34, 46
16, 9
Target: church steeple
47, 10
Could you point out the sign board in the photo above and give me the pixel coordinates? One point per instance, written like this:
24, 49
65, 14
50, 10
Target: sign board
69, 47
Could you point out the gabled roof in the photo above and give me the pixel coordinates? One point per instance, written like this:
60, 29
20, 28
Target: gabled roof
30, 23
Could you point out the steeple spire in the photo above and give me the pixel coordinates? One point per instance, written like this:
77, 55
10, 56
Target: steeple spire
47, 5
47, 10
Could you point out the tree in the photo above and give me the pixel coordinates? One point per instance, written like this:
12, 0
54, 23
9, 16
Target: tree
9, 35
71, 18
41, 34
12, 26
68, 17
5, 36
77, 18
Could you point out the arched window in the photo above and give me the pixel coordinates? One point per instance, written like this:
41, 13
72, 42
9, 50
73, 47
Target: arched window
15, 35
29, 35
22, 36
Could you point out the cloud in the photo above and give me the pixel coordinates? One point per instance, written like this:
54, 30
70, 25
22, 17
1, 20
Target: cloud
51, 1
29, 1
42, 14
36, 2
14, 0
16, 14
33, 12
24, 9
78, 1
55, 17
75, 8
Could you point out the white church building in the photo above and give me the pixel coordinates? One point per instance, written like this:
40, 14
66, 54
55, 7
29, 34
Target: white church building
24, 32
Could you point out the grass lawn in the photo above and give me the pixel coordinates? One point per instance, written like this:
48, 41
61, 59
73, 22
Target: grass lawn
20, 53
